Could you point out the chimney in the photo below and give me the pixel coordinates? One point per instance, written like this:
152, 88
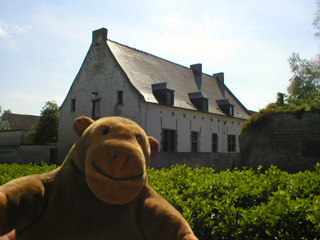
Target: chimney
220, 79
197, 73
100, 36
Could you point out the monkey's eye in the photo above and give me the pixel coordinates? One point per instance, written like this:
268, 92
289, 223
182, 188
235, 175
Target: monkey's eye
138, 137
105, 131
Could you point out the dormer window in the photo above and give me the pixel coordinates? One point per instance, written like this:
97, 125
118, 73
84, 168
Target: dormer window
226, 107
163, 94
199, 101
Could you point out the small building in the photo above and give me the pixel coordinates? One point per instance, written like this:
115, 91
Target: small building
13, 121
185, 109
14, 127
16, 147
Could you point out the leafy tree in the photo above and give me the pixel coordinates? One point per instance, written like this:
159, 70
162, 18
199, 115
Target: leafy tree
303, 89
305, 83
316, 20
46, 130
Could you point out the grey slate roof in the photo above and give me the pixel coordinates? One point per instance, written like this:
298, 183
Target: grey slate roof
144, 69
21, 122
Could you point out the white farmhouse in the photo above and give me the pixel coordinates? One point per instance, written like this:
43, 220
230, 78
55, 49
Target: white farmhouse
185, 109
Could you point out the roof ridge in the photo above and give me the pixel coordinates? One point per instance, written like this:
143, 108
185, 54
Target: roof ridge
20, 114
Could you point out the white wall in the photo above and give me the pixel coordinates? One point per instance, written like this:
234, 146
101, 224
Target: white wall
99, 73
184, 121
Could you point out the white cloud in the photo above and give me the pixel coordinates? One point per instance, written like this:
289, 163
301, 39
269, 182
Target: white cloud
19, 29
3, 29
173, 21
9, 30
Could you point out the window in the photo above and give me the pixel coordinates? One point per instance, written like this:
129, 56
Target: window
96, 109
169, 140
231, 110
73, 105
169, 97
194, 142
231, 143
120, 97
214, 142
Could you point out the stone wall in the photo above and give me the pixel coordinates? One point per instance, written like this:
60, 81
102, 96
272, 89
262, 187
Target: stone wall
290, 141
14, 148
29, 154
12, 137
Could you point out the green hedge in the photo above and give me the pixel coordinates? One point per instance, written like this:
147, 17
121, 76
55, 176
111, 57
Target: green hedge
12, 171
238, 204
244, 204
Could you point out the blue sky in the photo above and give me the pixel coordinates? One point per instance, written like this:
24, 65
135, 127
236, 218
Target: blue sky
43, 43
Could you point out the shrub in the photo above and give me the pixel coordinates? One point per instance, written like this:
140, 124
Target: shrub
244, 204
237, 204
12, 171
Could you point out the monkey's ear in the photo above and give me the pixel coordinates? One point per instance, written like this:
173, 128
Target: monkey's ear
154, 146
81, 124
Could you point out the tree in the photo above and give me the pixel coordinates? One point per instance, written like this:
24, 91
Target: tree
46, 130
304, 86
316, 20
305, 82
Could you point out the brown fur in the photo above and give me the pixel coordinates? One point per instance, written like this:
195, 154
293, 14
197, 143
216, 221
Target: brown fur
100, 192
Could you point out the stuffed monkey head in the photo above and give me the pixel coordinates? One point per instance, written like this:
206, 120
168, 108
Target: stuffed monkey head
114, 153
